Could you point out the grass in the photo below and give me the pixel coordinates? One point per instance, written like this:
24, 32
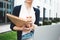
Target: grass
8, 36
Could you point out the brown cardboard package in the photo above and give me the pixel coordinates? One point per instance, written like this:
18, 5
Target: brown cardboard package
16, 20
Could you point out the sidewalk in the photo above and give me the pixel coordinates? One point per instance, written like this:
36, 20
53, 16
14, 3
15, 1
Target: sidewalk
5, 28
55, 23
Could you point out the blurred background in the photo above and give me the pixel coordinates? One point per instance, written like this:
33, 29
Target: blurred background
49, 10
49, 18
6, 6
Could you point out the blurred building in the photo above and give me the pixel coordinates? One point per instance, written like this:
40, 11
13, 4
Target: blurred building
6, 6
48, 8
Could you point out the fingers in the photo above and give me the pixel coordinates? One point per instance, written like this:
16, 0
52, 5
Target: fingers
29, 20
28, 25
26, 30
18, 28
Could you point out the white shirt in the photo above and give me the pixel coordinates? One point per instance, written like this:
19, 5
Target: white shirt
24, 13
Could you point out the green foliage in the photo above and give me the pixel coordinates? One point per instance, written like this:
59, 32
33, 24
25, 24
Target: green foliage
8, 36
47, 22
55, 20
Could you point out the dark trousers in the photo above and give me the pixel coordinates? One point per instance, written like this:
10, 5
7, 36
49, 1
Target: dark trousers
19, 35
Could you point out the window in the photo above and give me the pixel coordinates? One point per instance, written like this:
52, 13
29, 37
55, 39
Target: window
6, 0
1, 4
1, 13
4, 5
11, 0
10, 6
2, 18
7, 6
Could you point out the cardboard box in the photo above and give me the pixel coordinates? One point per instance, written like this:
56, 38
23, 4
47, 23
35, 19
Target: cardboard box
16, 20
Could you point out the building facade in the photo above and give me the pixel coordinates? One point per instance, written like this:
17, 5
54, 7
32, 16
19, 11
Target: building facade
6, 6
48, 8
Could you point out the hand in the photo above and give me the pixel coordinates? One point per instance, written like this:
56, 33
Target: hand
29, 20
29, 24
28, 29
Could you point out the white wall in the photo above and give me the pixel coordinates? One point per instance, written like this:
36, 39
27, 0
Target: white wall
58, 8
54, 7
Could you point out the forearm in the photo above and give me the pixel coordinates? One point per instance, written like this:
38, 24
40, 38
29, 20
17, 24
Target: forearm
17, 28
